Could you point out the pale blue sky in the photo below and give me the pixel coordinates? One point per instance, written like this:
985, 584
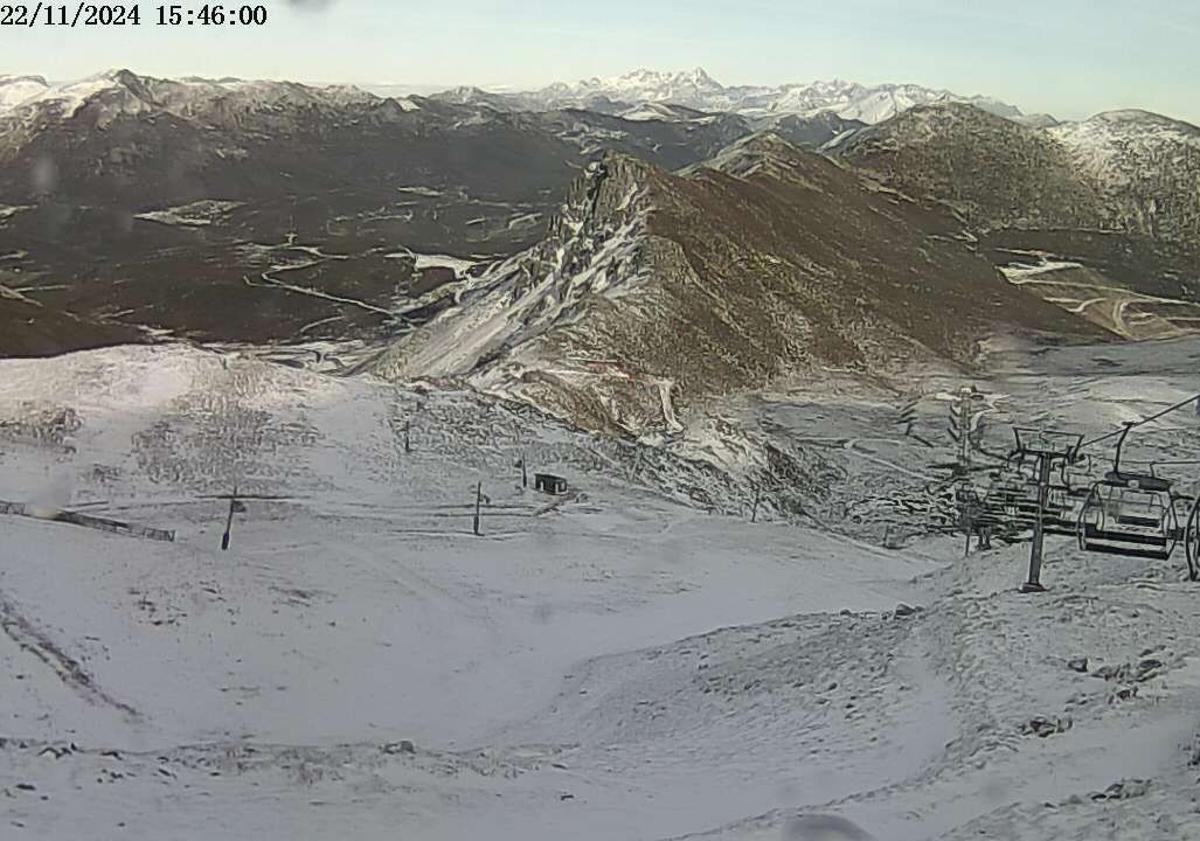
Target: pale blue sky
1069, 57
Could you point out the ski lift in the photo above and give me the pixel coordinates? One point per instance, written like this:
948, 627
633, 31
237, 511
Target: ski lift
1191, 541
1018, 496
1129, 514
1006, 504
1063, 503
1011, 502
1064, 499
1132, 514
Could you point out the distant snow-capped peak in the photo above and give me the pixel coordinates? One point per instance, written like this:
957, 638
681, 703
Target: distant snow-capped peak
697, 89
642, 86
17, 89
123, 91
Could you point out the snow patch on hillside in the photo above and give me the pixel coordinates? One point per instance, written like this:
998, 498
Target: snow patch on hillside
194, 214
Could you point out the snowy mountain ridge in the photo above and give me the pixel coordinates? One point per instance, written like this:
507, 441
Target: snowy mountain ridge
127, 92
1121, 171
1147, 167
697, 89
655, 291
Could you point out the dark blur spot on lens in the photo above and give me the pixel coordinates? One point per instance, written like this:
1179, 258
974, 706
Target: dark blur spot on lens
122, 221
44, 177
54, 219
824, 828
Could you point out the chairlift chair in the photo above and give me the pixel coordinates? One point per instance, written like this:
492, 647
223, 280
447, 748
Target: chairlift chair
1130, 514
1062, 506
1064, 500
1011, 501
1191, 540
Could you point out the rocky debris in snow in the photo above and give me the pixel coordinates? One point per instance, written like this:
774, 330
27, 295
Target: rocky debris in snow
403, 746
58, 751
1144, 670
1043, 727
1148, 668
1078, 664
1123, 790
1121, 672
1125, 693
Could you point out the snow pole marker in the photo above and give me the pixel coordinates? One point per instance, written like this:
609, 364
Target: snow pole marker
478, 504
229, 521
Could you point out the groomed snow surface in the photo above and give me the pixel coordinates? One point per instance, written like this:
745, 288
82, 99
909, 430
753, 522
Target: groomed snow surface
606, 665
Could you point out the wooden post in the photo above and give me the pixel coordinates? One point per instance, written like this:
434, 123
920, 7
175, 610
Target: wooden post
478, 503
407, 446
524, 474
229, 520
757, 497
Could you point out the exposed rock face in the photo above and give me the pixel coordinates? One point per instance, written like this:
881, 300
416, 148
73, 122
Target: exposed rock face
653, 292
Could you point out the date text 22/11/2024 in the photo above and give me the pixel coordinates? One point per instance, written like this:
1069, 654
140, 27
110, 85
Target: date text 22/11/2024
85, 14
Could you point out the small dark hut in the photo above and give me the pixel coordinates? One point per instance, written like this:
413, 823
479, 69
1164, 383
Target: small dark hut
549, 483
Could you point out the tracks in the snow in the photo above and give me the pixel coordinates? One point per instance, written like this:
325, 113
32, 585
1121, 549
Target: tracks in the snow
28, 638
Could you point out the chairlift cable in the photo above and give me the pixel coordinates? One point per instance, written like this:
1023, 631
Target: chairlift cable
1162, 462
1132, 424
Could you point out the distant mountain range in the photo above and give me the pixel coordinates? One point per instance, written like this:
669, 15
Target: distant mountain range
472, 234
693, 91
118, 181
697, 90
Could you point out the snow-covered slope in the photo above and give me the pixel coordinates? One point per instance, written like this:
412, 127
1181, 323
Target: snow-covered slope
17, 89
607, 665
